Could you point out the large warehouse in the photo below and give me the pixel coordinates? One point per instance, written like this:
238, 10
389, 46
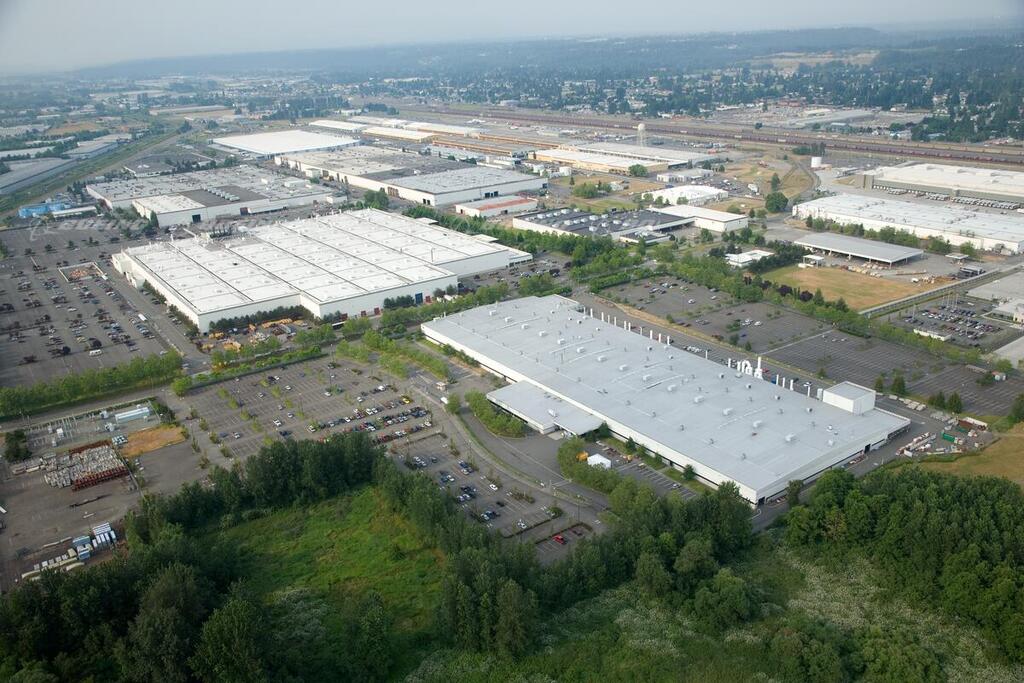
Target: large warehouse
672, 158
989, 231
596, 161
413, 177
283, 142
955, 181
184, 198
343, 264
579, 371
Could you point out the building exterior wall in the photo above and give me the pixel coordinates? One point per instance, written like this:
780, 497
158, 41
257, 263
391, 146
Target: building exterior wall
207, 213
478, 212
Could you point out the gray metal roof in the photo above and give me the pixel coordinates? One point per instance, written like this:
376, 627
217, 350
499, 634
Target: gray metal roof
687, 408
543, 409
861, 248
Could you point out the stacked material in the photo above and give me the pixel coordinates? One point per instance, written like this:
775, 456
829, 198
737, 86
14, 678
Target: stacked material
85, 468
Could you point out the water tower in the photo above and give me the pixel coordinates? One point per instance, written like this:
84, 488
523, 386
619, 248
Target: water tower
641, 134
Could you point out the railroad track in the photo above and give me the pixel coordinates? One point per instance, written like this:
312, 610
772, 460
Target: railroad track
696, 129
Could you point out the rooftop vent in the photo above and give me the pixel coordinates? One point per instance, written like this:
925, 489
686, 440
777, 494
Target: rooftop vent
758, 423
790, 438
698, 399
601, 359
727, 411
542, 333
721, 375
623, 367
524, 326
671, 387
809, 409
580, 349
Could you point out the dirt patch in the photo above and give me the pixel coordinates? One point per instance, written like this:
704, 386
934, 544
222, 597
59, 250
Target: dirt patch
151, 439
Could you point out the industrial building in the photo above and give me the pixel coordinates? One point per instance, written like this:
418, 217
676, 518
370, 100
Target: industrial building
957, 225
706, 219
855, 247
347, 126
694, 195
671, 158
283, 142
579, 371
185, 198
597, 162
343, 264
625, 226
496, 206
957, 182
414, 177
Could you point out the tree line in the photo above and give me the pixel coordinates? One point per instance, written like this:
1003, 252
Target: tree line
146, 371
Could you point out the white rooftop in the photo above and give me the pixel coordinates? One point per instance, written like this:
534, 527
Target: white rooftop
955, 220
751, 431
668, 155
692, 193
460, 179
347, 126
690, 211
284, 141
326, 258
955, 177
263, 182
571, 156
399, 133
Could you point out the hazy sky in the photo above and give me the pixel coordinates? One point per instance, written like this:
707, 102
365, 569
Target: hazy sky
43, 35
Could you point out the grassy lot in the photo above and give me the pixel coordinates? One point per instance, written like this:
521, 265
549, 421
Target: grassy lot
858, 290
1004, 458
342, 548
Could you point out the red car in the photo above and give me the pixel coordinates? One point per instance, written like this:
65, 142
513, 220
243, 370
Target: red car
560, 539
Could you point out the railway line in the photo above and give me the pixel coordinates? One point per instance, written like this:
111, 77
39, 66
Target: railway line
739, 134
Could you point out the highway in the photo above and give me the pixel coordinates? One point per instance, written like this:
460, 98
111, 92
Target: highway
695, 128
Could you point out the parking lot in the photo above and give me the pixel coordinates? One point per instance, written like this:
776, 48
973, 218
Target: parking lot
506, 507
687, 303
845, 357
61, 312
312, 399
962, 319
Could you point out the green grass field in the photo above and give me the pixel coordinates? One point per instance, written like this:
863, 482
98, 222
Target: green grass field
341, 548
